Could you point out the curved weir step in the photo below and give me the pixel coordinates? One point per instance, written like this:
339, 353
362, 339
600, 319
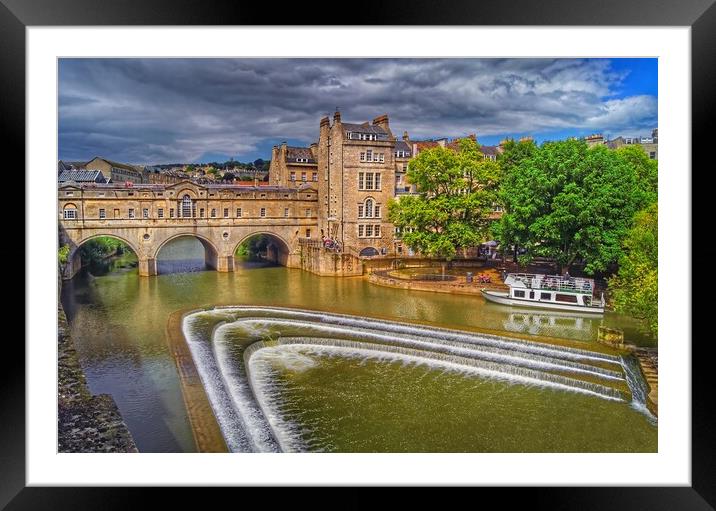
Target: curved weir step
225, 342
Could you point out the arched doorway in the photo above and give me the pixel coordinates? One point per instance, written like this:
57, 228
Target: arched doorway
186, 253
262, 249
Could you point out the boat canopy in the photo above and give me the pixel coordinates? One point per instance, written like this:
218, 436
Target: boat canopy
550, 282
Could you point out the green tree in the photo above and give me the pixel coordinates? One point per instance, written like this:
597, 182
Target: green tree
647, 170
63, 253
514, 153
570, 202
635, 288
457, 191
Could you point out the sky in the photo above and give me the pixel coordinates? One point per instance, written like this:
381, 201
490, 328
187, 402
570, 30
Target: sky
154, 111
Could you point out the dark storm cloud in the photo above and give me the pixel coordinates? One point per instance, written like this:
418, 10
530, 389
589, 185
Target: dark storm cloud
169, 110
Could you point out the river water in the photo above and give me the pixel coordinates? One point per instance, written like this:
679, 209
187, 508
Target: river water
338, 383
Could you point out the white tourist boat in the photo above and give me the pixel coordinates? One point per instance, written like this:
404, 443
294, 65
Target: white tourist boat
554, 292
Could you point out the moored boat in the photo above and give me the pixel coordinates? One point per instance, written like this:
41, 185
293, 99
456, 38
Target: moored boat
555, 292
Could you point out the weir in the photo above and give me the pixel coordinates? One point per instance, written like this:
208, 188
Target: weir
233, 347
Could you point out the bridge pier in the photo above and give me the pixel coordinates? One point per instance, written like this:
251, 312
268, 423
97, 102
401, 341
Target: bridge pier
225, 263
147, 267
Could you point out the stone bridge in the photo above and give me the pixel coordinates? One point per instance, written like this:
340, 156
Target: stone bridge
148, 216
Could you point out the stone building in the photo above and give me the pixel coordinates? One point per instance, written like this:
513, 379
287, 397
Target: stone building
356, 164
293, 166
117, 172
650, 145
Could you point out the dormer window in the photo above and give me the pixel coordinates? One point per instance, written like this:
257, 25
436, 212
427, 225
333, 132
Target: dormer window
302, 160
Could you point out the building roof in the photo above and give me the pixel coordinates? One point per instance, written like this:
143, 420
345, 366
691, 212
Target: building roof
294, 153
80, 176
401, 145
118, 165
489, 150
364, 128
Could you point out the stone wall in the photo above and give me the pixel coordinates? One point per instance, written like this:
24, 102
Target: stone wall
85, 422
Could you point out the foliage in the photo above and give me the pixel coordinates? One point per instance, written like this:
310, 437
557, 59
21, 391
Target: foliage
63, 253
457, 191
100, 248
647, 171
514, 153
253, 247
635, 288
569, 202
212, 170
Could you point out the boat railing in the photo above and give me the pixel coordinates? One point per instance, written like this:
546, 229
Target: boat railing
552, 282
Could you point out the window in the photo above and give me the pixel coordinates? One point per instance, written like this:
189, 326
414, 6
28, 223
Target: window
238, 212
145, 212
70, 214
360, 210
361, 229
360, 180
69, 194
545, 296
308, 212
201, 212
293, 176
565, 298
213, 212
186, 206
369, 181
376, 211
130, 194
308, 233
532, 295
171, 212
102, 213
285, 212
377, 181
362, 156
302, 160
160, 212
519, 294
368, 231
263, 195
303, 176
369, 208
263, 212
131, 212
314, 176
369, 155
652, 155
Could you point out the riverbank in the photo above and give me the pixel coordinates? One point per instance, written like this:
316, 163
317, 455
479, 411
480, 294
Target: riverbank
85, 422
459, 285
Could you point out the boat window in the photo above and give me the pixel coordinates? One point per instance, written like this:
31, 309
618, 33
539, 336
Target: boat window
587, 300
545, 296
532, 295
519, 293
565, 298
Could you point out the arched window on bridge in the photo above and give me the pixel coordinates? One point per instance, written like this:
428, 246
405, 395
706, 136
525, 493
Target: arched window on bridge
186, 207
70, 212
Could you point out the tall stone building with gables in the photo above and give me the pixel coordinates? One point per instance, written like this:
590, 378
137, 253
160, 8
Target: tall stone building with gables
293, 166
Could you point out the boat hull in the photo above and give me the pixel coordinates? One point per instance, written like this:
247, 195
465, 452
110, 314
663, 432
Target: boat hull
505, 299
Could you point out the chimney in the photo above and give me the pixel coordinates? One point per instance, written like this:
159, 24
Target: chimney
325, 121
382, 121
314, 149
337, 117
405, 136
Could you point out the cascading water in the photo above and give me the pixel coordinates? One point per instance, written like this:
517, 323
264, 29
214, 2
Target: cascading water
244, 355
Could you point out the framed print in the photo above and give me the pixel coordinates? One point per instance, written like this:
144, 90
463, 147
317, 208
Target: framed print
257, 260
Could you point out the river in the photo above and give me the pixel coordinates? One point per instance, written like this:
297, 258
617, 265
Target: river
339, 398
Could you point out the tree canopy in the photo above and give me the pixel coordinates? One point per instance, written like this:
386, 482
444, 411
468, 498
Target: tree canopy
570, 202
457, 191
635, 288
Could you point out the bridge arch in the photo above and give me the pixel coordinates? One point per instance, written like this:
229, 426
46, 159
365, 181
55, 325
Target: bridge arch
278, 249
74, 260
211, 252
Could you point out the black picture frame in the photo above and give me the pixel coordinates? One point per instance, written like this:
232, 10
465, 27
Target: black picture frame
700, 15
